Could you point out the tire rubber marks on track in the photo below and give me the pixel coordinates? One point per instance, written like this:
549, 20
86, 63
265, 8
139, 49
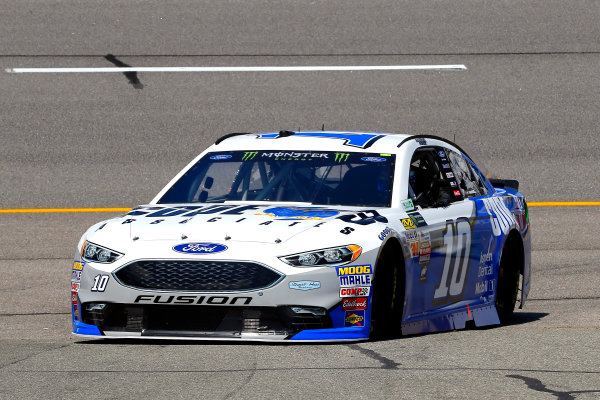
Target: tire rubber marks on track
131, 75
538, 386
386, 362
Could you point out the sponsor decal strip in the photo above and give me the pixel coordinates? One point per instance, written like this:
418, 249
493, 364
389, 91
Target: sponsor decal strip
126, 209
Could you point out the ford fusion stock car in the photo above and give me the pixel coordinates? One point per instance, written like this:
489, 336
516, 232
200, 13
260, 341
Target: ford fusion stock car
309, 236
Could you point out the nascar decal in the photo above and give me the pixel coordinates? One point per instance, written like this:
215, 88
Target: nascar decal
354, 318
290, 213
501, 217
355, 275
355, 291
362, 140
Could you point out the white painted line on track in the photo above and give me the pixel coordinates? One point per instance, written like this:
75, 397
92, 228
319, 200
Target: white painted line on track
456, 67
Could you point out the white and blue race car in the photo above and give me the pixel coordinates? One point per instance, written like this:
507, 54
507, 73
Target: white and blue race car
309, 236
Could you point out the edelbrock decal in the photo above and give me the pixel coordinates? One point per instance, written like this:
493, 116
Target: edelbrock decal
199, 248
305, 285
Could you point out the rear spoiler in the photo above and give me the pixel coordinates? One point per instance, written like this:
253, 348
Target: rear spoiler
505, 183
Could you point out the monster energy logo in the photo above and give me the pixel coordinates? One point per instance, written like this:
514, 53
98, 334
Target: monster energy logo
341, 157
249, 155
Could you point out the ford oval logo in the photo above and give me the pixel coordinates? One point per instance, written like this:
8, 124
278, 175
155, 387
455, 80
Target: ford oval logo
220, 157
199, 248
374, 159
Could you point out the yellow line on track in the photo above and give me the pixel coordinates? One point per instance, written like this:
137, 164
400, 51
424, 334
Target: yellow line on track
125, 209
563, 203
61, 210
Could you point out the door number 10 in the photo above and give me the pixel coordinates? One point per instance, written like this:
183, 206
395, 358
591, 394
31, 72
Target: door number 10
457, 243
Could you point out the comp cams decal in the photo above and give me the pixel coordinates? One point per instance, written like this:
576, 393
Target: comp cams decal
355, 291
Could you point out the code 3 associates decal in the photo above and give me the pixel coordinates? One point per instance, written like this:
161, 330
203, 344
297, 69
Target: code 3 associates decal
305, 285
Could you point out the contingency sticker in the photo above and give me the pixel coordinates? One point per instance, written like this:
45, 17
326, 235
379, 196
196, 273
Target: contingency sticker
355, 275
76, 271
354, 318
408, 205
355, 303
408, 223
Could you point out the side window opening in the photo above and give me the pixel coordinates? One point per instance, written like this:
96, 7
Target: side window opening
431, 179
468, 180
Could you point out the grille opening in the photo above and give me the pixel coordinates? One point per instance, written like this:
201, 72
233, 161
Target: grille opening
176, 320
197, 275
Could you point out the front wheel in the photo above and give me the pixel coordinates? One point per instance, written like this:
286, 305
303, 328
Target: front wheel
387, 301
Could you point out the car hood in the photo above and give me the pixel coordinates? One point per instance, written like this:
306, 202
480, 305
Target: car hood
217, 222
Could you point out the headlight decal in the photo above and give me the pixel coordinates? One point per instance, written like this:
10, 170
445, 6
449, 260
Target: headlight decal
95, 253
331, 257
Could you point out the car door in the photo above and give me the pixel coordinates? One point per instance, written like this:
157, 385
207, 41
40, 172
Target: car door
446, 236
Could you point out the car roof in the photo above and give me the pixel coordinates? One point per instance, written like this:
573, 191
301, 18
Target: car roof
346, 141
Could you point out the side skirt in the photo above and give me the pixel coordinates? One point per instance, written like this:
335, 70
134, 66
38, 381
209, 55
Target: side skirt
481, 315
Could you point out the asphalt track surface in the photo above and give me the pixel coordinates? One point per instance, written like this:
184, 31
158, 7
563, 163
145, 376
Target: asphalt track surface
527, 107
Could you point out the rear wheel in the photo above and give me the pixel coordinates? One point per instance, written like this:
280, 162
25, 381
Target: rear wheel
387, 301
508, 280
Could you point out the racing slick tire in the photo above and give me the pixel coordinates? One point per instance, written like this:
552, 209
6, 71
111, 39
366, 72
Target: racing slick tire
388, 293
508, 278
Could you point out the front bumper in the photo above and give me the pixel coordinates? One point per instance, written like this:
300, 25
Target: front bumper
297, 323
304, 305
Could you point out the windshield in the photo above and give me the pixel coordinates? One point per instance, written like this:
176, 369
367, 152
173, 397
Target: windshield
319, 177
